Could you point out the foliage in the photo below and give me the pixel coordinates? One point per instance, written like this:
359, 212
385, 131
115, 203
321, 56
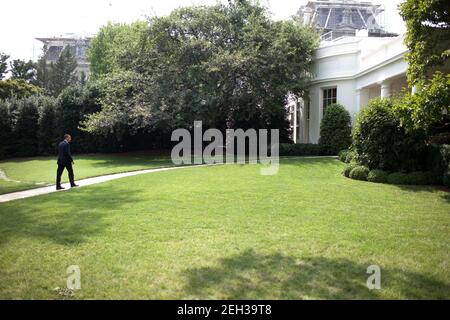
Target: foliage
427, 36
48, 134
288, 149
382, 143
115, 47
18, 88
6, 129
75, 103
419, 178
446, 177
348, 168
43, 71
398, 178
62, 72
228, 65
427, 108
377, 176
21, 69
335, 130
359, 173
343, 154
25, 130
3, 65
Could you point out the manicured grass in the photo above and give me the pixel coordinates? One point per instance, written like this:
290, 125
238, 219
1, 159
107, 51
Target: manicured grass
228, 232
31, 173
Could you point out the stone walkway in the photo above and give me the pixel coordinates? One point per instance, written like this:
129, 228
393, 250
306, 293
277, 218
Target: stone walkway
82, 183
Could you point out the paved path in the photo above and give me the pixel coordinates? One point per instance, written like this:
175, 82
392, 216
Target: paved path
82, 183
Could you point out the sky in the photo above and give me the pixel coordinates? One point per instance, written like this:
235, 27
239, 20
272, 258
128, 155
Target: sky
27, 19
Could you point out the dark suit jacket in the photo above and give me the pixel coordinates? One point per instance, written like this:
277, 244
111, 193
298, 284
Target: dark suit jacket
64, 156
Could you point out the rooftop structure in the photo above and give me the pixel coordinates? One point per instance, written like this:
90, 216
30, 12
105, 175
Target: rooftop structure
78, 46
338, 18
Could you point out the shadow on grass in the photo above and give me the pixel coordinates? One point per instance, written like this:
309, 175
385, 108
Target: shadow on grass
66, 218
250, 275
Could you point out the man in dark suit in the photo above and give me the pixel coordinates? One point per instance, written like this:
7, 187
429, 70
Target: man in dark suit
65, 161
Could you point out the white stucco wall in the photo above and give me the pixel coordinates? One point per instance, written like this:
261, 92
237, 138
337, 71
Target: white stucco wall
358, 68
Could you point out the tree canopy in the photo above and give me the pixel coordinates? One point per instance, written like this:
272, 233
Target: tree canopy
228, 65
427, 36
114, 47
3, 65
21, 69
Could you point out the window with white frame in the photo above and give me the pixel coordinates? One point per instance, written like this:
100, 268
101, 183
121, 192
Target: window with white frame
329, 97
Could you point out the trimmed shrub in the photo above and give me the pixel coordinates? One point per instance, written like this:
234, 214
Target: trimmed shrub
382, 143
398, 178
418, 178
351, 157
377, 176
359, 173
343, 155
299, 149
348, 168
335, 130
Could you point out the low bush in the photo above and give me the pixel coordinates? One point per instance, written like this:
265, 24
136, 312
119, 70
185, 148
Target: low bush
299, 149
351, 157
359, 173
419, 178
348, 168
398, 178
381, 142
343, 155
377, 176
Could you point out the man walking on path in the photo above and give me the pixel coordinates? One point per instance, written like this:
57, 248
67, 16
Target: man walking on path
65, 161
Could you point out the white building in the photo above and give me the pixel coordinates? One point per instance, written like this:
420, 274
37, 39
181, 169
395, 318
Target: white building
350, 70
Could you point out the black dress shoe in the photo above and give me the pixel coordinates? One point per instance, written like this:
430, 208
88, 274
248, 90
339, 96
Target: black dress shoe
59, 188
74, 186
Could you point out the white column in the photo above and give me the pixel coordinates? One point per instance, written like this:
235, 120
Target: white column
358, 100
385, 89
294, 132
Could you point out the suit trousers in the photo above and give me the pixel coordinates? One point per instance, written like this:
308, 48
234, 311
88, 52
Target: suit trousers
60, 170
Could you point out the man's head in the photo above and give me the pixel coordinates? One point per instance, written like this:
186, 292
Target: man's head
67, 137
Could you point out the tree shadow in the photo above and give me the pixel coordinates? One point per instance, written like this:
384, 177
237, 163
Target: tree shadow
67, 218
251, 275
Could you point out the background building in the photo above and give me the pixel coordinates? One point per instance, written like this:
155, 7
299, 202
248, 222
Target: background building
357, 63
77, 45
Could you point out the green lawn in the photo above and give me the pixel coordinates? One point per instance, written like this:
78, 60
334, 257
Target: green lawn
228, 232
28, 173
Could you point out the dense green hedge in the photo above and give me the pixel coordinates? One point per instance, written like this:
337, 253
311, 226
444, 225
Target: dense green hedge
359, 173
377, 176
299, 149
348, 168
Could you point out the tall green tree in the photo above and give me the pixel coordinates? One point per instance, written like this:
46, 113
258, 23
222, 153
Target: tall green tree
228, 65
21, 69
62, 72
115, 47
427, 36
18, 88
42, 71
3, 65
